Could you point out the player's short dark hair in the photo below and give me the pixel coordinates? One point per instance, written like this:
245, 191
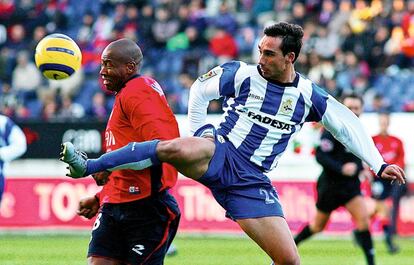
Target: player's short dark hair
291, 35
354, 96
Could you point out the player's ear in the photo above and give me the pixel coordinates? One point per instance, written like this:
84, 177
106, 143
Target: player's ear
290, 56
131, 67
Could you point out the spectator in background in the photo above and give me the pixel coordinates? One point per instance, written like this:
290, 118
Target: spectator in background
392, 150
131, 23
26, 78
332, 88
12, 146
164, 28
340, 17
245, 39
67, 87
377, 49
120, 16
223, 45
180, 99
326, 43
322, 69
102, 31
298, 13
38, 34
98, 108
378, 103
50, 109
225, 19
15, 43
85, 33
8, 100
145, 22
69, 109
352, 69
327, 12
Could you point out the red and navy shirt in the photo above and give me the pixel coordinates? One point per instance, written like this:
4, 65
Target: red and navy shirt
391, 149
140, 113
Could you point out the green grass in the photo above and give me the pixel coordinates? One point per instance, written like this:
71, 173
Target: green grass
71, 250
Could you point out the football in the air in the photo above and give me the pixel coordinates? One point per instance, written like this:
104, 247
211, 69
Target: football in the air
58, 56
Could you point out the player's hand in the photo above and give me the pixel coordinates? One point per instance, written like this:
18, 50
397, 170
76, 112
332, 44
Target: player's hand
394, 173
101, 178
88, 207
349, 169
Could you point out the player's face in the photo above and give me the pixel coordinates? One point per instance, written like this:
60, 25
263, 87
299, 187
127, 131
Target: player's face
272, 62
113, 72
354, 104
384, 123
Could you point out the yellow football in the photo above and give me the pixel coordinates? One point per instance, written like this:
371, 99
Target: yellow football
58, 56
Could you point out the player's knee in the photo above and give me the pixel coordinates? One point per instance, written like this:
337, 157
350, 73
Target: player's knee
362, 223
169, 150
292, 259
317, 228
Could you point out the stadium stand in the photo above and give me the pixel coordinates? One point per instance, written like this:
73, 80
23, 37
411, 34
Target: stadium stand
365, 47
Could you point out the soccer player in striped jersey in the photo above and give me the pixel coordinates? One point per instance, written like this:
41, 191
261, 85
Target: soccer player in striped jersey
12, 145
265, 106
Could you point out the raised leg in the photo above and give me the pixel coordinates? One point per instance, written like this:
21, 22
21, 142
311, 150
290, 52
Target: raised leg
272, 234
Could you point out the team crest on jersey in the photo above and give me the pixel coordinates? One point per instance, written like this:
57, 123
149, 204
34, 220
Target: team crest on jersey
220, 139
207, 75
134, 190
287, 106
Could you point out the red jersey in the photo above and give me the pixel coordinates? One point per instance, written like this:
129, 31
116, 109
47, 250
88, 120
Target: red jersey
140, 113
391, 149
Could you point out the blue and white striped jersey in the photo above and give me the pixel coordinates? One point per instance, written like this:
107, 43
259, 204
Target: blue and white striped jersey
261, 117
12, 141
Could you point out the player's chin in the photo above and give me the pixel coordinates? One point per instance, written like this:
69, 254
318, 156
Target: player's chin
110, 88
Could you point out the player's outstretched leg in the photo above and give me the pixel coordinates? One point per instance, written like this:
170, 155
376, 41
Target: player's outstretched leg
135, 156
75, 159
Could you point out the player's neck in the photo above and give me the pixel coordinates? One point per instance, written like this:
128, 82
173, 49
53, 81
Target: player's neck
285, 78
289, 75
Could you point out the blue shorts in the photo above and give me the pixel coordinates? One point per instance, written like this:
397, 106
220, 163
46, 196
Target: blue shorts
137, 232
239, 186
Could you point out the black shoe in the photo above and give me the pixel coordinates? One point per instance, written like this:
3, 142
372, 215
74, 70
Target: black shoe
391, 247
172, 251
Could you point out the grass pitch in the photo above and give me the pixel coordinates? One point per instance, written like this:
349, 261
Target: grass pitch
71, 250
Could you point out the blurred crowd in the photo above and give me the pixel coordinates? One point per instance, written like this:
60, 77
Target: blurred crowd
366, 47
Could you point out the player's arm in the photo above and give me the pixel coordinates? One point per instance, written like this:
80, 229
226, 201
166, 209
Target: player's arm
204, 89
17, 144
88, 207
218, 82
348, 129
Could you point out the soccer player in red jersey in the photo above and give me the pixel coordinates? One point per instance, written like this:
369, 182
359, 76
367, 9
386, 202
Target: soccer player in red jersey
392, 150
137, 218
